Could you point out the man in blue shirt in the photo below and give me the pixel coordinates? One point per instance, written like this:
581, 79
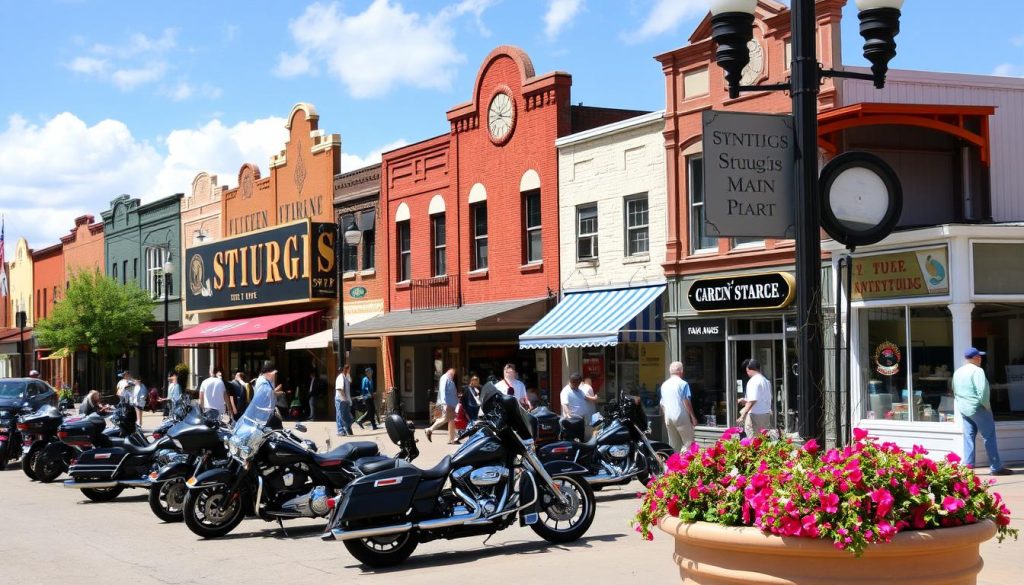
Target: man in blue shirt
677, 409
368, 401
970, 387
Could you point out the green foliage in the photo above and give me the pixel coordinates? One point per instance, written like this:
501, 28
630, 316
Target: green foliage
182, 371
99, 313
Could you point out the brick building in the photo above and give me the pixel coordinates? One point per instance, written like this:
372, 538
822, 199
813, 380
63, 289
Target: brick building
470, 231
83, 251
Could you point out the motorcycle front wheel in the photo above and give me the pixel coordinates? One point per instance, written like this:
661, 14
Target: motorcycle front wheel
102, 494
383, 551
211, 512
48, 467
567, 522
167, 499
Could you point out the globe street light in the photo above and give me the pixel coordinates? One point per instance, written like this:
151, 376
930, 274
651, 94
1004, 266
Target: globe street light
731, 25
352, 236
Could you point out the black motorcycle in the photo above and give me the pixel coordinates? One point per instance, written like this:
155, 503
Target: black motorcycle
200, 438
492, 479
103, 473
273, 474
77, 434
10, 437
38, 430
618, 450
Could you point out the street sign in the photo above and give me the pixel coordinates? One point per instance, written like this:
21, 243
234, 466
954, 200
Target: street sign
748, 175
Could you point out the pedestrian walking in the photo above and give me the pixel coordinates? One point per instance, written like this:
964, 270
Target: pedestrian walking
316, 387
213, 394
446, 401
756, 413
174, 394
677, 408
265, 383
511, 385
972, 393
470, 399
343, 402
239, 394
367, 390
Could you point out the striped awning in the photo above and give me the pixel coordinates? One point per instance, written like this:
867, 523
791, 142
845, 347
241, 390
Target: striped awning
599, 318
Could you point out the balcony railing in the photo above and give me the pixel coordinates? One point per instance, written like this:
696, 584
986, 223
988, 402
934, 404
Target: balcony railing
440, 292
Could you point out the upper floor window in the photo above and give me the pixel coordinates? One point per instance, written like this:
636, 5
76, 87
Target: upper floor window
155, 259
349, 253
404, 247
437, 237
531, 227
586, 232
699, 240
637, 222
478, 217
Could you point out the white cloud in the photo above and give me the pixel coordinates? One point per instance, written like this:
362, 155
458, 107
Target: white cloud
381, 47
666, 15
1008, 70
560, 14
351, 162
88, 65
129, 79
183, 90
138, 44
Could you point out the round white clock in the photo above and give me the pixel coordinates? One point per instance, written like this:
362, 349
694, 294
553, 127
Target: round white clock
501, 117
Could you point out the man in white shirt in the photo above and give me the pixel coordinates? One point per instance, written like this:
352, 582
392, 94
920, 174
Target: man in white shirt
447, 399
343, 402
511, 385
212, 393
677, 408
578, 402
757, 404
123, 383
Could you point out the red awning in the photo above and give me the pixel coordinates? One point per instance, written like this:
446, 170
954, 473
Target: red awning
251, 329
11, 334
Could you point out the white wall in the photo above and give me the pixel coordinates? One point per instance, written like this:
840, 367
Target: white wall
605, 165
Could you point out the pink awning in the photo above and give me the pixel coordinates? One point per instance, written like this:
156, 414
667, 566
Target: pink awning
250, 329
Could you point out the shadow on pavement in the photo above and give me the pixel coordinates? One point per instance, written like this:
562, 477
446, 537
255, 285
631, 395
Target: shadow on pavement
486, 551
140, 497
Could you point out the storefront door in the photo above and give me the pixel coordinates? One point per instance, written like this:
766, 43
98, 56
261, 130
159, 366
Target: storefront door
777, 354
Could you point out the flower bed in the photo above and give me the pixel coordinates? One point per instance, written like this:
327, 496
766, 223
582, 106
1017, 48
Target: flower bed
864, 493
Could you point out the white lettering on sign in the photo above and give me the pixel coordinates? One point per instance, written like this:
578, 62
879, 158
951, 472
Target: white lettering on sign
705, 330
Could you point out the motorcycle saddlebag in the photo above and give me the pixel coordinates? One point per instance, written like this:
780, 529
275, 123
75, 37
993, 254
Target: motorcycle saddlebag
385, 494
97, 464
546, 429
557, 451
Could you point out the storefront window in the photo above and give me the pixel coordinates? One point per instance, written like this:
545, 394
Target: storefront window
907, 382
704, 366
998, 330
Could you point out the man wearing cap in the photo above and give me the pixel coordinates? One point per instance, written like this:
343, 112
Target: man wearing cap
757, 403
970, 388
369, 403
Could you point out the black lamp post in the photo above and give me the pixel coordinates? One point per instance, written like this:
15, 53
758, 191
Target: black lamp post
21, 320
168, 269
731, 24
352, 236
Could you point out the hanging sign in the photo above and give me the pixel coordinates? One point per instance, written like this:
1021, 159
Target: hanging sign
748, 174
772, 290
916, 273
286, 264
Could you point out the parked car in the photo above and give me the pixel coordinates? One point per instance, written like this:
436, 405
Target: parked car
19, 396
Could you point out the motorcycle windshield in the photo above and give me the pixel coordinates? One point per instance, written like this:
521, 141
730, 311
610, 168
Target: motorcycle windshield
249, 427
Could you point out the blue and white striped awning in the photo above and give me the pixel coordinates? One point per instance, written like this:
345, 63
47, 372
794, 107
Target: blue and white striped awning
599, 318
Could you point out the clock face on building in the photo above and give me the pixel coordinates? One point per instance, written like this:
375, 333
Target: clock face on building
501, 117
752, 72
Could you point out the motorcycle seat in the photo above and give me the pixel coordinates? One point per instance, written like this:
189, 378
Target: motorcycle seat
347, 452
373, 466
439, 471
149, 449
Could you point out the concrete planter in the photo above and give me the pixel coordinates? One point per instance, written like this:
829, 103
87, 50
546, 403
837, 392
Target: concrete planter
711, 554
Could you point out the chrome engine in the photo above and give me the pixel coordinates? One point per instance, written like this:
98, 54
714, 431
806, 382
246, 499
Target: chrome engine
618, 451
311, 505
487, 485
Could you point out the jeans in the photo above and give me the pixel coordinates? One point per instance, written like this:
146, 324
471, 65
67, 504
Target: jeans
981, 421
312, 407
371, 412
343, 416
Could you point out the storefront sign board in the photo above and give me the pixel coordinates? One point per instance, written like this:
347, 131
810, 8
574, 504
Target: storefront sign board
698, 330
771, 290
748, 174
914, 273
280, 265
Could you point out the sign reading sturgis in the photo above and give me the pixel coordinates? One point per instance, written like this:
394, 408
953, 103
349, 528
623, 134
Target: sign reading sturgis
279, 265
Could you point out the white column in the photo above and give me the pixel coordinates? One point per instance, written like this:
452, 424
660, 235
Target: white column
961, 313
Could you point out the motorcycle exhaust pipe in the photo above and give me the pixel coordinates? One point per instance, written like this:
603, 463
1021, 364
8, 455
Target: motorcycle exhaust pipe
77, 485
340, 534
136, 483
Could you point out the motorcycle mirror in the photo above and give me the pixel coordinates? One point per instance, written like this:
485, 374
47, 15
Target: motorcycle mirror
300, 427
596, 419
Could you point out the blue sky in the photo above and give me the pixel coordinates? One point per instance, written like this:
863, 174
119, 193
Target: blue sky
107, 97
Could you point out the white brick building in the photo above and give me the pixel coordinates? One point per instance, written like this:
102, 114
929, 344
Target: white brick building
612, 213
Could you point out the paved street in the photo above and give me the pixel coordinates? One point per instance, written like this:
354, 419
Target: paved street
53, 530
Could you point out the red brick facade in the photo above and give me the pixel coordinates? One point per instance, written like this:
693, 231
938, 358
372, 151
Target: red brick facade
683, 124
83, 246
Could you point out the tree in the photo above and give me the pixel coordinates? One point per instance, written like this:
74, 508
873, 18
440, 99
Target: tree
99, 313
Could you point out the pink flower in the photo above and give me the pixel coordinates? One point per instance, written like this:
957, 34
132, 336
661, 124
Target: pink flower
811, 446
953, 458
883, 500
829, 503
673, 506
730, 433
694, 493
951, 504
675, 464
809, 523
860, 434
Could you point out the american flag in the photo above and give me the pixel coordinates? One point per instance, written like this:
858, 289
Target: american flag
3, 265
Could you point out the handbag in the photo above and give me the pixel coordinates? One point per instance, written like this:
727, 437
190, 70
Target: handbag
461, 420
